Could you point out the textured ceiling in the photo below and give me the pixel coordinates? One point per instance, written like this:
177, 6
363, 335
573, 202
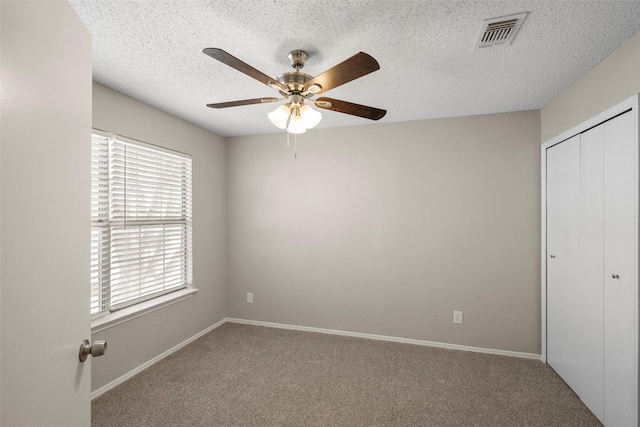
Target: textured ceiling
152, 51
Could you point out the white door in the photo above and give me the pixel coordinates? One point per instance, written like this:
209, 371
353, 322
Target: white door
589, 358
620, 280
45, 215
563, 202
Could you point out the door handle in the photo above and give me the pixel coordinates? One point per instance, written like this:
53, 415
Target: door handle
615, 276
97, 349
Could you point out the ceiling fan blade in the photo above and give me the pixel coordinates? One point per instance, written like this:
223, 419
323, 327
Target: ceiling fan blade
350, 108
355, 67
243, 102
243, 67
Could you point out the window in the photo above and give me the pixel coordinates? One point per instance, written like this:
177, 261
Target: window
140, 222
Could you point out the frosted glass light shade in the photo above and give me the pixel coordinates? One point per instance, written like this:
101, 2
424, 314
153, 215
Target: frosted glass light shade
280, 115
296, 125
310, 117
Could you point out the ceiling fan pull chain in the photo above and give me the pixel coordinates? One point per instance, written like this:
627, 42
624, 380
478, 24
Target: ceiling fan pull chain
287, 126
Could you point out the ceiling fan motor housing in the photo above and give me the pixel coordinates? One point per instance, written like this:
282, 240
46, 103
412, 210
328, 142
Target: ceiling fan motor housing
294, 80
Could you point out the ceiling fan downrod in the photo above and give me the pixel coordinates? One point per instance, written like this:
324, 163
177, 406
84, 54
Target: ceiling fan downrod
295, 80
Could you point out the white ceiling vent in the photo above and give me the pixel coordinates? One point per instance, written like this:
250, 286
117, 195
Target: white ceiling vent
501, 30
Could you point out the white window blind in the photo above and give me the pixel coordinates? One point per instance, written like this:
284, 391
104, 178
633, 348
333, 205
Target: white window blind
141, 222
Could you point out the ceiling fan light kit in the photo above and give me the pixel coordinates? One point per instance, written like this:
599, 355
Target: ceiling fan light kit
295, 117
296, 124
310, 116
280, 115
296, 87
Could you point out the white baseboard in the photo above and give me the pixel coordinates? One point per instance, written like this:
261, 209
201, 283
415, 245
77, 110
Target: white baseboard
387, 338
145, 365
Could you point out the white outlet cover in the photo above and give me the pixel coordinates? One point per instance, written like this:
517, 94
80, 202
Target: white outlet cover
457, 317
249, 297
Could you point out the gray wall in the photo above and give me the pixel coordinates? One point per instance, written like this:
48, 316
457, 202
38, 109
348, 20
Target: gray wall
135, 342
388, 228
613, 80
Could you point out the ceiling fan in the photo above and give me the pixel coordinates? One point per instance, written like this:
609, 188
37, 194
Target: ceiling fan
298, 89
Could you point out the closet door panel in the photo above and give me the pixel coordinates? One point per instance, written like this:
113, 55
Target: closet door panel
590, 358
620, 258
563, 315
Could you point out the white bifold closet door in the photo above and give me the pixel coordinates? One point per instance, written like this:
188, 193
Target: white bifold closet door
563, 287
591, 226
620, 310
590, 270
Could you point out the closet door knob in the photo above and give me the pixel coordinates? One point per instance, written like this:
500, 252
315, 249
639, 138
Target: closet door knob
553, 256
615, 276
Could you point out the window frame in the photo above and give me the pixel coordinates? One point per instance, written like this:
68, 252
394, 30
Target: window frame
104, 219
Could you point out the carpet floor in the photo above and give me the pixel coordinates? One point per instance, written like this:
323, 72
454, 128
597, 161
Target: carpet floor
239, 375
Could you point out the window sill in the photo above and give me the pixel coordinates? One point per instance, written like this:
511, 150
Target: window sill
129, 313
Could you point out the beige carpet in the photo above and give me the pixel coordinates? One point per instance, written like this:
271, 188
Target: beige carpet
240, 375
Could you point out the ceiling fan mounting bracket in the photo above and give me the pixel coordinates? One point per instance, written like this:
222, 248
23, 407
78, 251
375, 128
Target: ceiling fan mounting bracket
298, 58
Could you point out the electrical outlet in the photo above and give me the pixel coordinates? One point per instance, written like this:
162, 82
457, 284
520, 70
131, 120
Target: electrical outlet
457, 317
249, 297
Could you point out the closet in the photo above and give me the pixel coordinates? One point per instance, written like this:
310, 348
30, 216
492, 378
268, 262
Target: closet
590, 262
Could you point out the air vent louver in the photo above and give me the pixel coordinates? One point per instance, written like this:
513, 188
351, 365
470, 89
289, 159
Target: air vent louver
501, 30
